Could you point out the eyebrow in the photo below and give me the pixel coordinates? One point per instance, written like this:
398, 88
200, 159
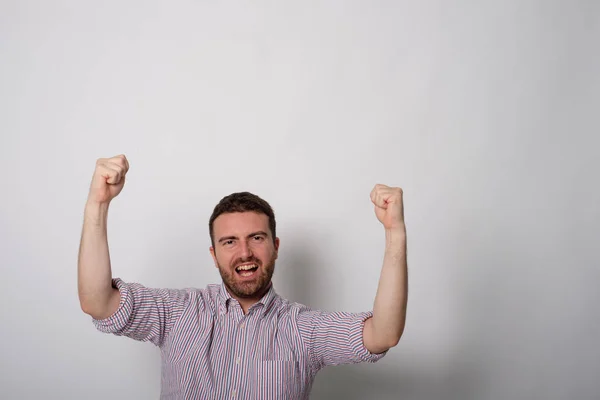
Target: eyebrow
224, 238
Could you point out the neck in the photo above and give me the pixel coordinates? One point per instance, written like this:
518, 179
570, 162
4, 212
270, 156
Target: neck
247, 302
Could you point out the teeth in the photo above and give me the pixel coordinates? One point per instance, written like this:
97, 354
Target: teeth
245, 267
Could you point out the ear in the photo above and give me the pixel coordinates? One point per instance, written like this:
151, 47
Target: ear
276, 247
214, 256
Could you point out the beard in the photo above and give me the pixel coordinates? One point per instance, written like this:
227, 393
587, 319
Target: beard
255, 288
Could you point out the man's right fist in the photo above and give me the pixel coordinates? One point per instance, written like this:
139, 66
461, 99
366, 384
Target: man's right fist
108, 179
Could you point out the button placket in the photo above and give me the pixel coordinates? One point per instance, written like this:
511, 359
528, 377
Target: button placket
241, 350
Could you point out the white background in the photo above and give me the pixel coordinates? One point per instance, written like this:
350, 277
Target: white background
485, 113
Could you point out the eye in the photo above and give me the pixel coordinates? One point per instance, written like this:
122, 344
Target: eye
258, 238
228, 242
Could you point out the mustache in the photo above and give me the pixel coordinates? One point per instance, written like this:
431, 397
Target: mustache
247, 260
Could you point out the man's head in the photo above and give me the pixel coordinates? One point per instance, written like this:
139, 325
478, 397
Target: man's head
244, 243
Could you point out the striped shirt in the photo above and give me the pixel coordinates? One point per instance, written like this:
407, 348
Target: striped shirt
210, 349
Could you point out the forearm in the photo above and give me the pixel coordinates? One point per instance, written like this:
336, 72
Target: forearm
389, 310
96, 293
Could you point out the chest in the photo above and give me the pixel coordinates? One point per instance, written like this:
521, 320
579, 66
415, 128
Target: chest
241, 354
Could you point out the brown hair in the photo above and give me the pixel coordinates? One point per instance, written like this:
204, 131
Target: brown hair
242, 202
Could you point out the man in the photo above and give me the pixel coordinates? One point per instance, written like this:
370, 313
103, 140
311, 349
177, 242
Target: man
239, 339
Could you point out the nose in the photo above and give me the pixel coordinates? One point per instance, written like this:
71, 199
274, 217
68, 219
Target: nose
245, 250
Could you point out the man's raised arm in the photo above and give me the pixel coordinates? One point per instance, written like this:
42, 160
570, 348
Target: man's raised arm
385, 328
97, 296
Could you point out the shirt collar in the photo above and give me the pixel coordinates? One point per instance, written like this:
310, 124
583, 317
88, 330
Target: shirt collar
264, 303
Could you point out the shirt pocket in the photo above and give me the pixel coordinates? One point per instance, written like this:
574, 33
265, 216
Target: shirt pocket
276, 379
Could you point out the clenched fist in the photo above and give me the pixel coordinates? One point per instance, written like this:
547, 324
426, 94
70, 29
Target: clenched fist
389, 207
108, 179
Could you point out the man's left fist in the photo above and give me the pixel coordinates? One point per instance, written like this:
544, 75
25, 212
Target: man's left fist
389, 207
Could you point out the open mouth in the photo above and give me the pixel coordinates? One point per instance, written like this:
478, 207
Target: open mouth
246, 270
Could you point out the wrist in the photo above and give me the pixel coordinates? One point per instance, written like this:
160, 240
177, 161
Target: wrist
395, 238
96, 212
397, 232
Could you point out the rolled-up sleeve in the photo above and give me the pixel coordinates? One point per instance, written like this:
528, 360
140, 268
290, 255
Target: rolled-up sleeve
336, 338
144, 314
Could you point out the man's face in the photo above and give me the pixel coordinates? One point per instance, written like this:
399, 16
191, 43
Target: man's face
244, 252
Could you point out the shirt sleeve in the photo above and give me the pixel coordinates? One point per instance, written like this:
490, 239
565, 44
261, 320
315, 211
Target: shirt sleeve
144, 314
335, 338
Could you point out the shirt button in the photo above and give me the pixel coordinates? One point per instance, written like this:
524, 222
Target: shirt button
233, 393
238, 360
242, 325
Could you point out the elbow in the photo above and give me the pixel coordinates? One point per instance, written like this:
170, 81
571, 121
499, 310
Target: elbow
89, 308
383, 345
395, 339
393, 342
99, 309
87, 303
377, 341
84, 303
95, 311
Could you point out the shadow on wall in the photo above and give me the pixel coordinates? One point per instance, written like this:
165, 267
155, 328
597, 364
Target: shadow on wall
296, 274
403, 373
394, 379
